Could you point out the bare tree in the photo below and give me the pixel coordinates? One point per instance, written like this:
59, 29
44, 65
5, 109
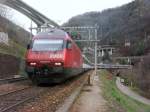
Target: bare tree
5, 11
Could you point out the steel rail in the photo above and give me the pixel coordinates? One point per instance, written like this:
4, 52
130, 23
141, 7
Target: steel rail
15, 91
17, 104
11, 80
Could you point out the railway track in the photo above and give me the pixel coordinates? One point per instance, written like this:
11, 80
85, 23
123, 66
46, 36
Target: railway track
14, 91
15, 98
56, 98
15, 104
12, 80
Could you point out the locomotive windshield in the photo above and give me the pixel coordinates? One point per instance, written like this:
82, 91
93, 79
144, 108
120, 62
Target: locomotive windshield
47, 45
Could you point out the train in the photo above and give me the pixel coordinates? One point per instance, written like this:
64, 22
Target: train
53, 57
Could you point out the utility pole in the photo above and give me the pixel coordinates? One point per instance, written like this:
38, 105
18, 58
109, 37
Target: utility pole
89, 36
96, 52
31, 31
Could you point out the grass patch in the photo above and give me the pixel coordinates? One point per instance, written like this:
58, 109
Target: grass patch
117, 100
13, 49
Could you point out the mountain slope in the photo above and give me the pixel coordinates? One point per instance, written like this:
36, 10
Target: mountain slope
18, 38
130, 21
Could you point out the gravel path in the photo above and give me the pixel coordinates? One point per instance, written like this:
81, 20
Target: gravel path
90, 99
130, 93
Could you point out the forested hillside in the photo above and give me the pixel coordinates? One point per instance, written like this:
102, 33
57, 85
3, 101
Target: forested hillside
129, 22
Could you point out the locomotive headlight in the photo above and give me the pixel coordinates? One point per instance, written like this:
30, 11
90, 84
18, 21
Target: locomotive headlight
33, 64
58, 64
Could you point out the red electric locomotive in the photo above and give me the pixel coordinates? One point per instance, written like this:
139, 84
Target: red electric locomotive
53, 56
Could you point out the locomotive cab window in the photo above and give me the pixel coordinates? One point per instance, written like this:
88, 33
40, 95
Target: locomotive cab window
47, 45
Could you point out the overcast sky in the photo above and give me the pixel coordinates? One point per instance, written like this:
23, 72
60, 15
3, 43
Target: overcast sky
62, 10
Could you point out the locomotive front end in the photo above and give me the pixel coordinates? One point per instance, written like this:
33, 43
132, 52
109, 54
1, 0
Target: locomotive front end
45, 57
